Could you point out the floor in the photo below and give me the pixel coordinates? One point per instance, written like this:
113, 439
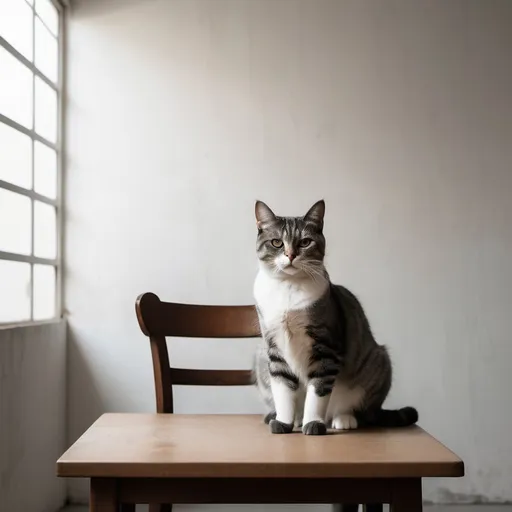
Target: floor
235, 508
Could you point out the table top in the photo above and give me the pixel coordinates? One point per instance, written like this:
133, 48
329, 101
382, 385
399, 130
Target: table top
210, 446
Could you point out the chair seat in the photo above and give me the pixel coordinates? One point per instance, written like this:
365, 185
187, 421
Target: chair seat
219, 446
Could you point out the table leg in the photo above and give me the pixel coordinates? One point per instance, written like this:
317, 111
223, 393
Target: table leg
373, 507
406, 495
103, 495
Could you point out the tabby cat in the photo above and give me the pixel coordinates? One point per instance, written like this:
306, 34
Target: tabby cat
318, 363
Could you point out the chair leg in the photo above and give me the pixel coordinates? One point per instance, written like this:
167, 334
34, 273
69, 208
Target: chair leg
345, 507
373, 507
160, 507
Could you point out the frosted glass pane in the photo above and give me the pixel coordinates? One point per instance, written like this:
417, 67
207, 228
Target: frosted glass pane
44, 292
45, 170
45, 232
47, 57
14, 291
15, 156
46, 10
46, 111
15, 89
15, 222
16, 25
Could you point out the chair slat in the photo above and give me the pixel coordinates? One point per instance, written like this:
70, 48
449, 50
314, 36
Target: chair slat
181, 376
157, 318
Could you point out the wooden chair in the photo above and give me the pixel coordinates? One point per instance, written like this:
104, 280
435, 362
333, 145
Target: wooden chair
158, 320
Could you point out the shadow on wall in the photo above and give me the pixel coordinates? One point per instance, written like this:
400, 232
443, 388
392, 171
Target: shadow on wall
92, 407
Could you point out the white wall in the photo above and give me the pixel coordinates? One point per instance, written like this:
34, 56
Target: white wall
182, 113
32, 417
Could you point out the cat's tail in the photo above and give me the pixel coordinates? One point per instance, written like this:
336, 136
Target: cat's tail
403, 417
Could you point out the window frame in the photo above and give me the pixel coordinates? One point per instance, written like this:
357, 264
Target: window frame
57, 203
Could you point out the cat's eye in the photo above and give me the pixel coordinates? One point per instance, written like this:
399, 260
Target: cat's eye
305, 242
277, 243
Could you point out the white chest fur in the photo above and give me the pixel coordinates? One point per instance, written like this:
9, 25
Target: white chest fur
283, 304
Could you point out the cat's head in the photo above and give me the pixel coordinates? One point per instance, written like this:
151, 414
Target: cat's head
291, 246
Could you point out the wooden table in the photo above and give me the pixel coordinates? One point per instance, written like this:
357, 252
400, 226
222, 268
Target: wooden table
172, 458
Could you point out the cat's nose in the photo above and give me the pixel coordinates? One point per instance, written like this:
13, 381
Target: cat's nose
291, 256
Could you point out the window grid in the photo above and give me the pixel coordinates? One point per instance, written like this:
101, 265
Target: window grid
32, 259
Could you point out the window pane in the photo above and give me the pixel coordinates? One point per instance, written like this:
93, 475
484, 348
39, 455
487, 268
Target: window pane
49, 15
15, 222
45, 170
46, 111
45, 232
15, 291
15, 92
16, 25
44, 292
15, 156
47, 57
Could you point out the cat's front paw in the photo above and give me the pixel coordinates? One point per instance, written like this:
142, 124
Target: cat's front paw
344, 422
278, 427
269, 417
314, 428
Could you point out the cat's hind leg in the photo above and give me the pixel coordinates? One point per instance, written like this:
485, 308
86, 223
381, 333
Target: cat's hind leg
344, 401
344, 422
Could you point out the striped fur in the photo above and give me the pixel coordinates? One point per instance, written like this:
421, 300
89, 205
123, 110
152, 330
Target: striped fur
318, 362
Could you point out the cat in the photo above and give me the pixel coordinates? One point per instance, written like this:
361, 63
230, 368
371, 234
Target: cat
317, 364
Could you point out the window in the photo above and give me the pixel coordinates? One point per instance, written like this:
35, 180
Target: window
30, 159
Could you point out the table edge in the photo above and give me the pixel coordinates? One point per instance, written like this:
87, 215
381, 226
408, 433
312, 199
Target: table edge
68, 469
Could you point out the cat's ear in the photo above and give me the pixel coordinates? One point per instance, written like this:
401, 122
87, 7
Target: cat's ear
264, 214
316, 213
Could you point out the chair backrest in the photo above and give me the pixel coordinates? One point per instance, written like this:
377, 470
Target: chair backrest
159, 319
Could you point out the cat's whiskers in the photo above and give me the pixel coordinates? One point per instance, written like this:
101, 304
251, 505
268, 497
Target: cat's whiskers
310, 273
314, 271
